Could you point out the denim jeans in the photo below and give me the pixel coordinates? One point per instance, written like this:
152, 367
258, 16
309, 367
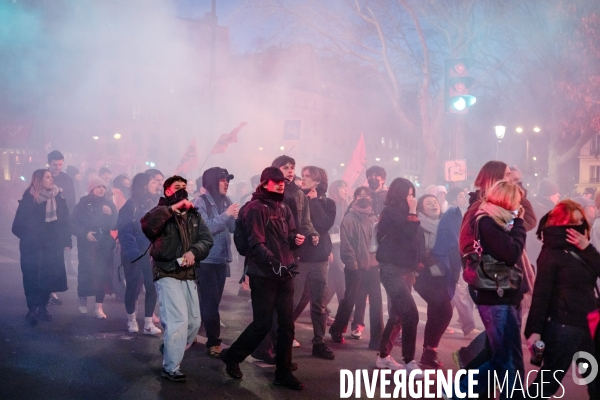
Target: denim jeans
268, 296
179, 316
311, 284
503, 328
562, 342
211, 282
403, 312
136, 274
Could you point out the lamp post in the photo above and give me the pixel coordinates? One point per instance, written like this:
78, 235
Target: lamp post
500, 131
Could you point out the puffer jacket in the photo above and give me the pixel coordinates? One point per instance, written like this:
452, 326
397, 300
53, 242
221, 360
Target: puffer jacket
159, 225
221, 226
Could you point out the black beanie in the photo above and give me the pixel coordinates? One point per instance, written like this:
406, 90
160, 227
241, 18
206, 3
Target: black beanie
272, 174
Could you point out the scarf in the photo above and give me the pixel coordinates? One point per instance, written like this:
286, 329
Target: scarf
503, 217
48, 196
430, 226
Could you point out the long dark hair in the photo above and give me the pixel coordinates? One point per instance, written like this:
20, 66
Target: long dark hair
139, 186
397, 193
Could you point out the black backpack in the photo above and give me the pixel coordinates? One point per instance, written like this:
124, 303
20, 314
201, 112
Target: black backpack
240, 236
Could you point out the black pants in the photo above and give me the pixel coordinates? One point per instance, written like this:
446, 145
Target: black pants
211, 282
359, 285
268, 295
562, 342
136, 274
439, 309
404, 314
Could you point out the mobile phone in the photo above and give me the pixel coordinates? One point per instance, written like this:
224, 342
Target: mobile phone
180, 261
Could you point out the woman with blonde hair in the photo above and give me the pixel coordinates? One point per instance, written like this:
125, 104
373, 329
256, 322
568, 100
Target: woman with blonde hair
499, 231
563, 294
42, 225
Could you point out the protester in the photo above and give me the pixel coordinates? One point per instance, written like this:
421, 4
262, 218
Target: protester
134, 252
498, 228
360, 269
447, 254
432, 282
376, 176
311, 283
336, 285
270, 229
398, 258
121, 190
105, 174
563, 295
92, 219
65, 183
219, 214
180, 240
42, 226
75, 176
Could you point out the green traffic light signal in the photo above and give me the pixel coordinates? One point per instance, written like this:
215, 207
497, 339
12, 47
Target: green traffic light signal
459, 103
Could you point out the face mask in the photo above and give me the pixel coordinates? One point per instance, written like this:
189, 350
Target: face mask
179, 195
580, 228
363, 203
373, 183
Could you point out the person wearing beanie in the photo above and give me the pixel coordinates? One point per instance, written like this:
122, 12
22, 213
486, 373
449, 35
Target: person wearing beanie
91, 221
270, 229
440, 194
219, 214
180, 240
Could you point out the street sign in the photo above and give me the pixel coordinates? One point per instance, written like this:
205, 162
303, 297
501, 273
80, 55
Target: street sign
455, 170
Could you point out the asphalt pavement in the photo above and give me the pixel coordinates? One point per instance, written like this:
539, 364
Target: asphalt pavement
76, 356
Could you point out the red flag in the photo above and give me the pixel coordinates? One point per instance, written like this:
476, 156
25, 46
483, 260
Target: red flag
355, 174
226, 139
189, 162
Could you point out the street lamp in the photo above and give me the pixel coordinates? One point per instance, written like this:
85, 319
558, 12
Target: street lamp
500, 131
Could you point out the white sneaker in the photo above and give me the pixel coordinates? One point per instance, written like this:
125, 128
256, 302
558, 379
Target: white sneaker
356, 334
83, 309
151, 329
388, 363
132, 326
99, 312
295, 343
412, 366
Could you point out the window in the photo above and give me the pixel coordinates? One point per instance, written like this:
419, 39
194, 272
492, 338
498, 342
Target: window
595, 145
594, 173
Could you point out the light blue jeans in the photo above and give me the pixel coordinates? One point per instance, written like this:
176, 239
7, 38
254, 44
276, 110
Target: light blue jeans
179, 316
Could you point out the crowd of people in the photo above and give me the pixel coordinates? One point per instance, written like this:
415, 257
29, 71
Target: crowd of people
302, 241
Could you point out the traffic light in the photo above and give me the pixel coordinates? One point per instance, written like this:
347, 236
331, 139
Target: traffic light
458, 82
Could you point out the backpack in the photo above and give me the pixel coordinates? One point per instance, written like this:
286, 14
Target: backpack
240, 236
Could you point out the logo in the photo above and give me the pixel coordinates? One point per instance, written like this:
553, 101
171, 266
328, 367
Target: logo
585, 368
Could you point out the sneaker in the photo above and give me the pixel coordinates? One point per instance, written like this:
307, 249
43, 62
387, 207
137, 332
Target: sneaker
336, 337
295, 343
388, 363
321, 350
175, 376
32, 318
99, 312
132, 326
231, 367
409, 367
449, 330
54, 300
83, 309
214, 351
151, 329
356, 334
430, 359
288, 380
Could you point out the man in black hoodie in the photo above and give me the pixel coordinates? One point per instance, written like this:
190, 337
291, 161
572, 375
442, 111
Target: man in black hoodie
271, 233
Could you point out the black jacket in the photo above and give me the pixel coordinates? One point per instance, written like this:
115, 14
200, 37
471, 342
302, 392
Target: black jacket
65, 182
397, 237
271, 233
564, 286
322, 215
506, 246
161, 227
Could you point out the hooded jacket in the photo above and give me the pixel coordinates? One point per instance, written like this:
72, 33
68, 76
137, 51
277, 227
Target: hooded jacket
564, 287
355, 239
271, 231
220, 226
